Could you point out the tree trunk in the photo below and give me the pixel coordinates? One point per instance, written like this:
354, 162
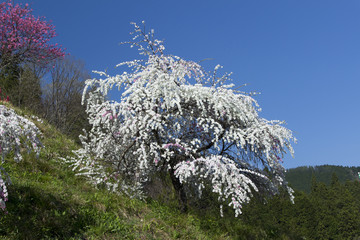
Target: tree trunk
180, 191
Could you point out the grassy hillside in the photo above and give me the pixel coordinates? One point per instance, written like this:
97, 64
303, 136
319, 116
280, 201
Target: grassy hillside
300, 177
47, 201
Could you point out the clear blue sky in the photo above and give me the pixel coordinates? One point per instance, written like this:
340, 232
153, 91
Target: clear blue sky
303, 56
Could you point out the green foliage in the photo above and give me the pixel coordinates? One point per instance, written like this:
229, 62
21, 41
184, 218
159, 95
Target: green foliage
29, 91
9, 80
325, 213
22, 86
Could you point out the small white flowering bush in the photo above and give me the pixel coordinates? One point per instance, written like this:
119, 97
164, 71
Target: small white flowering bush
16, 134
171, 116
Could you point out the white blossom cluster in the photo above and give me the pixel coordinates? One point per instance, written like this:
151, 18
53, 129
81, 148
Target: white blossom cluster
16, 133
228, 180
172, 116
36, 118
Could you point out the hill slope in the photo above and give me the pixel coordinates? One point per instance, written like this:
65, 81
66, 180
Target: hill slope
47, 201
300, 177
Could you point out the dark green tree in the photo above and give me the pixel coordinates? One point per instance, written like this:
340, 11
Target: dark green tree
334, 181
313, 183
9, 83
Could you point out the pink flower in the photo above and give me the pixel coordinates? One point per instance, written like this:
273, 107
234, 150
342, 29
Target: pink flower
19, 28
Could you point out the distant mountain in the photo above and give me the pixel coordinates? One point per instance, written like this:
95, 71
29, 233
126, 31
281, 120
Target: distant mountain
300, 177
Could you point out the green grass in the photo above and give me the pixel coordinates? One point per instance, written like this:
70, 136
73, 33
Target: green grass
47, 201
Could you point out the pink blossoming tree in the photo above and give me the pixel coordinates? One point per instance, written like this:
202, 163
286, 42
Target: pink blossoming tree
174, 118
24, 37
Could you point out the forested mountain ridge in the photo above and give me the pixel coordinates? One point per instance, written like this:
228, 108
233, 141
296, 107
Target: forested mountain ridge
300, 177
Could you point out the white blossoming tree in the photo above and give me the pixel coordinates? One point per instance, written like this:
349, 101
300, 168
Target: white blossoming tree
173, 117
16, 134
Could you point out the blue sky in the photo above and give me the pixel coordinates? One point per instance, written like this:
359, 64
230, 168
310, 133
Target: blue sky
303, 56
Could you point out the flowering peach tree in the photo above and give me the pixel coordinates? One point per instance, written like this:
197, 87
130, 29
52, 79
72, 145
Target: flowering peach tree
24, 37
16, 134
173, 117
